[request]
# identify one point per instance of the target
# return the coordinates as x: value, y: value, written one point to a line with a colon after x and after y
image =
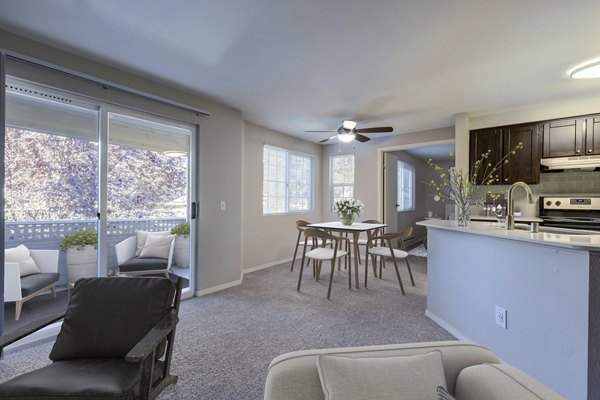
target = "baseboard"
x: 449, y: 328
x: 43, y: 335
x: 265, y: 266
x: 218, y: 288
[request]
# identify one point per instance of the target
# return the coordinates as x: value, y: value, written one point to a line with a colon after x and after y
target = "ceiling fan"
x: 348, y: 132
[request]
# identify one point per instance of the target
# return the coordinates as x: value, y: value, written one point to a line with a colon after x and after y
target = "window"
x: 341, y: 172
x: 287, y: 181
x: 406, y: 186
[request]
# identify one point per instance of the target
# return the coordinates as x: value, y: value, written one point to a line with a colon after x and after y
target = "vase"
x: 82, y: 263
x: 463, y: 217
x: 181, y: 251
x: 347, y: 219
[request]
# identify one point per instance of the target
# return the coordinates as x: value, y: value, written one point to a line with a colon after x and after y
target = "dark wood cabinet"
x: 524, y: 165
x: 572, y: 137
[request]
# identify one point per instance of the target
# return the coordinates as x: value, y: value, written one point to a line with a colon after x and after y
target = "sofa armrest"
x: 46, y: 260
x: 500, y: 382
x: 125, y: 249
x: 12, y: 282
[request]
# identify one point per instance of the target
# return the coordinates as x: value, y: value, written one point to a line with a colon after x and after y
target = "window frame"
x: 400, y: 200
x: 311, y: 197
x: 332, y: 184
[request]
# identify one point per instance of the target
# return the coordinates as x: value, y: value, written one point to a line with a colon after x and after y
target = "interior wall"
x: 220, y: 159
x: 437, y: 208
x: 270, y: 239
x: 365, y: 167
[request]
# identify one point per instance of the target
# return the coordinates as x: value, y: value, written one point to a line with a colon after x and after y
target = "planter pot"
x: 181, y: 252
x: 82, y: 263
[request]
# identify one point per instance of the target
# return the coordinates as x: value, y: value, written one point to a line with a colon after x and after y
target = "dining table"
x: 355, y: 230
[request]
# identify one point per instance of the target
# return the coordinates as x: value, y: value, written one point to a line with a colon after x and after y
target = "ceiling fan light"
x: 586, y: 71
x: 349, y: 125
x: 346, y: 137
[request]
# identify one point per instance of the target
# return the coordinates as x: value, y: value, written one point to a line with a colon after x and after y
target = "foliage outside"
x: 348, y: 207
x: 79, y: 240
x: 463, y: 189
x: 51, y: 177
x: 181, y: 230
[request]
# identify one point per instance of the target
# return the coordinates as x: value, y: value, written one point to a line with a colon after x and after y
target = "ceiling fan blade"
x: 328, y: 139
x: 319, y: 131
x: 361, y: 138
x: 376, y: 130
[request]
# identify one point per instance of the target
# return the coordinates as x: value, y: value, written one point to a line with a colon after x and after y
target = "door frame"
x: 380, y: 164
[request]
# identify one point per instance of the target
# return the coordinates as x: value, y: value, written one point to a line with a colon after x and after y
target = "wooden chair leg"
x: 398, y: 275
x: 301, y: 269
x: 18, y: 308
x: 319, y: 265
x: 331, y: 278
x: 374, y: 262
x: 350, y: 278
x: 381, y: 265
x: 53, y: 290
x: 410, y: 271
x: 296, y: 250
x: 366, y: 266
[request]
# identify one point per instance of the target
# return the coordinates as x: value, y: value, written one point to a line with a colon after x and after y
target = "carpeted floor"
x: 226, y: 340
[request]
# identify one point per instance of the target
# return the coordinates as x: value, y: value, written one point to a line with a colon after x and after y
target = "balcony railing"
x: 48, y: 235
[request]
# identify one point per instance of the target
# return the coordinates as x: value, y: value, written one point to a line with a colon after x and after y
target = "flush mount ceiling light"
x: 349, y: 125
x: 346, y: 137
x: 586, y: 71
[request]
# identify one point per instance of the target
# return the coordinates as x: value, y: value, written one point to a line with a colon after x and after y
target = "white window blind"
x: 287, y: 181
x: 406, y: 186
x: 341, y: 172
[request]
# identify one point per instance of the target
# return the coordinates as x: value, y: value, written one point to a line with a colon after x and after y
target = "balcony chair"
x: 146, y: 253
x: 106, y: 350
x: 386, y: 250
x: 28, y: 273
x: 322, y: 252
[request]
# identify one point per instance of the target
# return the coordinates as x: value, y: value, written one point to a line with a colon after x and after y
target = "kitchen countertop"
x: 557, y: 237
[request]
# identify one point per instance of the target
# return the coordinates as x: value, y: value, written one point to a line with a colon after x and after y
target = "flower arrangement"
x: 346, y: 209
x: 465, y: 190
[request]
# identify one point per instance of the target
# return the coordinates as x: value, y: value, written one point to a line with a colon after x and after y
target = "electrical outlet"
x: 223, y: 205
x: 501, y: 317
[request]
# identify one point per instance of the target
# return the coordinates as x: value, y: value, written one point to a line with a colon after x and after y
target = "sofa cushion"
x: 21, y: 255
x: 500, y: 382
x: 144, y: 264
x: 32, y: 283
x: 94, y: 323
x: 415, y: 376
x: 157, y: 246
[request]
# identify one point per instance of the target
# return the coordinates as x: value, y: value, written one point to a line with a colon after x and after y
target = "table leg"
x: 356, y: 255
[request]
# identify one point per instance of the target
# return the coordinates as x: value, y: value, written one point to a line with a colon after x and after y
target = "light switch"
x: 223, y: 205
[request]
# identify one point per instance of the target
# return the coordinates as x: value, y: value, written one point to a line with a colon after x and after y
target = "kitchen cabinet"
x: 524, y: 165
x: 572, y: 137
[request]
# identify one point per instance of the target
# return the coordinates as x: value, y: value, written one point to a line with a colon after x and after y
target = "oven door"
x: 589, y: 224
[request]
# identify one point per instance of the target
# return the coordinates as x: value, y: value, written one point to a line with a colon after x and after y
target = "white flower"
x: 347, y: 207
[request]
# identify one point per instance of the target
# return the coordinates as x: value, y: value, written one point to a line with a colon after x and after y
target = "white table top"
x: 355, y: 227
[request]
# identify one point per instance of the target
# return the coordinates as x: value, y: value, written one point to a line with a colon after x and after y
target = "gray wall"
x: 271, y: 239
x: 436, y: 207
x: 220, y: 149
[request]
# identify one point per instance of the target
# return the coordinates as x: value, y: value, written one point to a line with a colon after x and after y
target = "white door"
x: 390, y: 192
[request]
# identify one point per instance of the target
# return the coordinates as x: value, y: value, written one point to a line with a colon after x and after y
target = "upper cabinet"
x: 524, y: 165
x: 572, y: 137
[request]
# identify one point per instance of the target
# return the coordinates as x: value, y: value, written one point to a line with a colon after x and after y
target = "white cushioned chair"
x: 136, y: 257
x: 19, y: 288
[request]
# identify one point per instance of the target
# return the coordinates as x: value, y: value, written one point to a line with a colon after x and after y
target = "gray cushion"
x: 106, y: 317
x: 89, y: 378
x: 414, y: 377
x: 143, y: 264
x: 32, y: 283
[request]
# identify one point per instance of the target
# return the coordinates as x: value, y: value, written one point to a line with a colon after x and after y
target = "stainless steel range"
x: 573, y: 212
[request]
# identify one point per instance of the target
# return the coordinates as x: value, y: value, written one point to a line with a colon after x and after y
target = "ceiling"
x: 442, y: 152
x: 307, y: 65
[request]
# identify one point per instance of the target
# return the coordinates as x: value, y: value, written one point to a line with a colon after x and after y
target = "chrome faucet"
x: 510, y: 219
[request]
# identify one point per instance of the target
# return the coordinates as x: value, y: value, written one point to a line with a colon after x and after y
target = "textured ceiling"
x: 307, y: 65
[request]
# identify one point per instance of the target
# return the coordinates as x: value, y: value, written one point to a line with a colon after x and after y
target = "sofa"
x: 471, y: 372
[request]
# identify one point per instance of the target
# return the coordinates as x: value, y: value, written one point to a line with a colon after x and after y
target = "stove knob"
x: 557, y: 203
x: 548, y: 203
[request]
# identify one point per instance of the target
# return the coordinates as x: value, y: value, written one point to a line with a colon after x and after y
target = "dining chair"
x: 365, y: 241
x: 386, y: 250
x: 321, y: 253
x: 300, y: 226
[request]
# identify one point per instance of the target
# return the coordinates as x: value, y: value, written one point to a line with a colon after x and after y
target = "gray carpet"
x: 226, y: 340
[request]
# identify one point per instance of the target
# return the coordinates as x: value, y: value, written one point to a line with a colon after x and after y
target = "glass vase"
x: 347, y: 219
x: 463, y: 217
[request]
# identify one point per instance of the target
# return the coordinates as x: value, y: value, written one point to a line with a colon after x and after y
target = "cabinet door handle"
x: 589, y: 150
x: 578, y: 151
x: 505, y: 179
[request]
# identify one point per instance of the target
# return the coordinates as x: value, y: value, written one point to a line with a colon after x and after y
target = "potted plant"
x: 181, y: 253
x: 82, y: 254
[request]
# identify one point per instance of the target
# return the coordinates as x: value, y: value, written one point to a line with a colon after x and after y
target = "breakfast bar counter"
x: 532, y: 298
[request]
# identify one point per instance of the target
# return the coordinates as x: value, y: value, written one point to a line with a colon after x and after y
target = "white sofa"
x: 472, y: 372
x: 20, y: 289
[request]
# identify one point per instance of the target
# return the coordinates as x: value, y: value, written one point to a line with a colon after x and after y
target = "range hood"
x: 579, y: 162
